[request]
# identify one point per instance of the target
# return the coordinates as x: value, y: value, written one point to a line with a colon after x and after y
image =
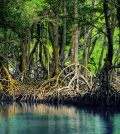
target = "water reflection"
x: 45, y: 119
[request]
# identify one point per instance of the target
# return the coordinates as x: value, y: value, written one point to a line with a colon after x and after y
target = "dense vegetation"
x: 59, y: 48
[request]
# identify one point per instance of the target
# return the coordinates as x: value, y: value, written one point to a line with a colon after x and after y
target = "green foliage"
x: 19, y: 15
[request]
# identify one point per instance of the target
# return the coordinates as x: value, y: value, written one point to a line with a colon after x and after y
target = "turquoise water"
x: 44, y: 119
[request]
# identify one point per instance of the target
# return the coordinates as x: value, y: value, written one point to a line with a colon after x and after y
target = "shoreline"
x: 86, y: 99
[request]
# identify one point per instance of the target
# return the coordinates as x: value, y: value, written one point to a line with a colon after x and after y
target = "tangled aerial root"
x: 62, y: 89
x: 11, y: 84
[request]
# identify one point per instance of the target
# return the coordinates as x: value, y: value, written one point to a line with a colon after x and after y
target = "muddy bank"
x: 97, y: 97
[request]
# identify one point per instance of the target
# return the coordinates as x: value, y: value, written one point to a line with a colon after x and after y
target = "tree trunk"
x: 48, y: 53
x: 62, y: 55
x: 23, y: 52
x: 55, y: 45
x: 109, y: 33
x: 105, y: 80
x: 6, y: 48
x: 28, y: 43
x: 72, y: 52
x: 86, y: 52
x: 76, y: 43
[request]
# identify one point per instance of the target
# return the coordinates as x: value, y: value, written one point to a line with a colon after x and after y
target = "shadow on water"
x: 29, y: 118
x: 107, y: 115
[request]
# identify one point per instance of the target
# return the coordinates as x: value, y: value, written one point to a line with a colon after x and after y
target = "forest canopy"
x: 40, y: 38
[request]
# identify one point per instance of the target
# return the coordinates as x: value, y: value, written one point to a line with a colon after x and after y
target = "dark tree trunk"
x: 62, y: 48
x: 109, y: 32
x: 23, y: 52
x: 118, y: 11
x: 55, y: 46
x: 105, y: 72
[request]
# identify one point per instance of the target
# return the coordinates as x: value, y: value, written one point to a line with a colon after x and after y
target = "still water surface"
x: 44, y: 119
